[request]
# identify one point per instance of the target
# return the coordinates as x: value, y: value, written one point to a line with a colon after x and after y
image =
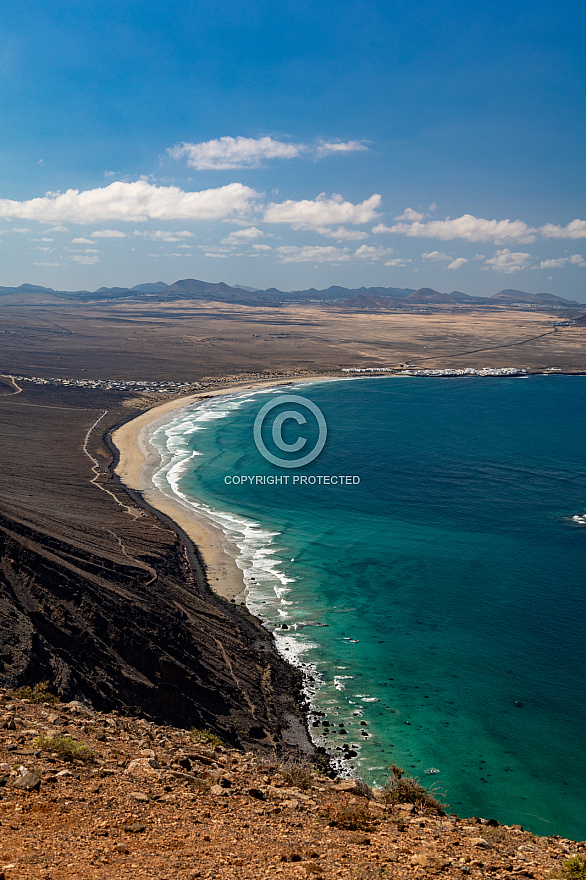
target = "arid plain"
x: 187, y: 341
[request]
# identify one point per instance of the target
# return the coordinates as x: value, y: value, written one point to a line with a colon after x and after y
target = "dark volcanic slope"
x: 105, y: 602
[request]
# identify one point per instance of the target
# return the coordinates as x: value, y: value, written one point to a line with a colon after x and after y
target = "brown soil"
x: 156, y: 803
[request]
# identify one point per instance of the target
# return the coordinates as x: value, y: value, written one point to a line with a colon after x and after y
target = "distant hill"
x: 539, y: 298
x: 219, y: 291
x: 155, y: 287
x: 428, y: 295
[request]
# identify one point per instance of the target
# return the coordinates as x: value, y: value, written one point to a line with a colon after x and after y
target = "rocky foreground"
x: 86, y: 794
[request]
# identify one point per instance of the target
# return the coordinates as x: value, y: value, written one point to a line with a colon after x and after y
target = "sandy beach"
x: 138, y: 460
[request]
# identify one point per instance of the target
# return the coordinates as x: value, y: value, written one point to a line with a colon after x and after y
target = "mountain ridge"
x: 192, y: 288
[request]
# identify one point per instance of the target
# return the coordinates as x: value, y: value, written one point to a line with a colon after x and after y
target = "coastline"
x: 138, y: 460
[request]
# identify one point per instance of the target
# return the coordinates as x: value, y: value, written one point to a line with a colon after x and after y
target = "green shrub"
x: 39, y: 693
x: 67, y: 748
x: 205, y: 737
x: 575, y: 868
x: 402, y: 789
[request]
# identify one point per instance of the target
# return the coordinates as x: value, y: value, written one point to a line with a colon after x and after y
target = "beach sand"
x: 138, y: 462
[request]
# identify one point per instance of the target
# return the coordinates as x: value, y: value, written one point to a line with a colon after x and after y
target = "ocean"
x: 435, y: 597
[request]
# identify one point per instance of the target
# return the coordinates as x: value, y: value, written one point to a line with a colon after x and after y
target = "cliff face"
x: 109, y: 605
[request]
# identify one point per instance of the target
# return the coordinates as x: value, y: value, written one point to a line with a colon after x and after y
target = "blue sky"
x: 294, y: 144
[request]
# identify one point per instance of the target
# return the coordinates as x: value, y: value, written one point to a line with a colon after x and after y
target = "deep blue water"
x: 449, y: 583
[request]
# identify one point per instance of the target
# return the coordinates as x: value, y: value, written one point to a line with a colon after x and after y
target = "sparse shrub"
x: 67, y: 748
x: 299, y: 774
x: 205, y: 737
x: 402, y: 789
x: 350, y: 814
x: 575, y: 868
x: 39, y: 693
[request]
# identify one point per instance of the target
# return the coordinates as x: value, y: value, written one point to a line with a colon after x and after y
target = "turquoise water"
x: 430, y: 597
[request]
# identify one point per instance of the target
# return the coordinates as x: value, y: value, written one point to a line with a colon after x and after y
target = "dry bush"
x: 402, y: 789
x: 299, y: 774
x: 351, y: 814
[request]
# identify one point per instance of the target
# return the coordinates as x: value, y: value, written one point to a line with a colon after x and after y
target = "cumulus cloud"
x: 322, y: 212
x: 436, y: 255
x: 226, y: 153
x: 470, y: 228
x: 575, y: 229
x: 466, y: 227
x: 342, y: 234
x: 81, y: 241
x: 108, y: 233
x: 240, y: 236
x: 367, y: 252
x: 457, y: 263
x: 410, y: 214
x: 134, y: 202
x: 86, y: 261
x: 326, y: 148
x: 309, y: 254
x: 58, y: 229
x: 505, y: 261
x: 574, y: 260
x: 398, y: 262
x: 163, y: 235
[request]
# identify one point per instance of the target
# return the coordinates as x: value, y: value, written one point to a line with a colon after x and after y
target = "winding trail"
x: 130, y: 510
x: 14, y: 383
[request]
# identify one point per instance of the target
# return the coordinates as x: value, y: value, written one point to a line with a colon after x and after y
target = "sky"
x: 294, y: 144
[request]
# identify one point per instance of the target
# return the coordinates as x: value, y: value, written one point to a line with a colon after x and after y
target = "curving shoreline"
x: 138, y: 460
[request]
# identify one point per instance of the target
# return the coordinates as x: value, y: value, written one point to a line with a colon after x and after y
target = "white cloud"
x: 467, y: 227
x: 367, y: 252
x: 86, y: 261
x: 505, y: 261
x: 574, y: 260
x: 219, y: 256
x: 239, y: 236
x: 58, y: 229
x: 457, y: 263
x: 342, y: 234
x: 322, y: 212
x: 233, y: 152
x: 575, y: 229
x: 81, y: 241
x: 108, y: 233
x: 436, y: 255
x: 410, y: 214
x: 309, y: 254
x: 163, y: 235
x: 326, y: 148
x: 398, y: 263
x: 46, y: 264
x: 186, y: 246
x: 226, y: 153
x: 262, y: 247
x: 134, y: 202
